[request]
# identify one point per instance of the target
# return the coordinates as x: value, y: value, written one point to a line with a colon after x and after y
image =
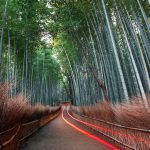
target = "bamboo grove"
x: 78, y: 50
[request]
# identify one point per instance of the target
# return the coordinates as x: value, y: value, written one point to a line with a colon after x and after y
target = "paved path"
x: 58, y: 135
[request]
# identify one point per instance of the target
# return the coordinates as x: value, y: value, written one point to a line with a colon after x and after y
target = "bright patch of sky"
x: 46, y: 38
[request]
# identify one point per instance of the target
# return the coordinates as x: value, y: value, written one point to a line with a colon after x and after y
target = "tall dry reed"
x: 17, y: 110
x: 132, y: 113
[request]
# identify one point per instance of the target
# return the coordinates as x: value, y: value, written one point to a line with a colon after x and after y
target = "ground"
x: 58, y: 135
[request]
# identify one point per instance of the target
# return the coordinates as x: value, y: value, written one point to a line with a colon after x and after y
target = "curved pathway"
x: 58, y: 135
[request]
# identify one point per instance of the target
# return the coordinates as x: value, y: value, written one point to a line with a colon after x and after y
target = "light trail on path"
x: 98, y: 139
x: 129, y: 136
x: 58, y: 135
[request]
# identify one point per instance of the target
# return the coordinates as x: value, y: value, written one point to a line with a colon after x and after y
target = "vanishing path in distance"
x: 58, y: 135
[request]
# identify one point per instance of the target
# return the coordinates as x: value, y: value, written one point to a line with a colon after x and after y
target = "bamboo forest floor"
x: 58, y: 135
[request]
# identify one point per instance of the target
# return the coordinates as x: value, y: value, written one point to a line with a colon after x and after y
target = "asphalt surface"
x: 58, y: 135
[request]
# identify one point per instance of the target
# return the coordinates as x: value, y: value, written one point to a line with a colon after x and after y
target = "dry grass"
x: 4, y: 90
x: 17, y: 110
x: 131, y: 114
x: 13, y: 111
x: 36, y: 112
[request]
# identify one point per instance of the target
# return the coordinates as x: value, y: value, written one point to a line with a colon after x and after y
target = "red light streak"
x: 108, y: 145
x: 110, y: 131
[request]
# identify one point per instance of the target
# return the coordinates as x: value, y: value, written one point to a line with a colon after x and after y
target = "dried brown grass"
x: 17, y: 110
x: 130, y: 114
x: 35, y: 112
x: 133, y: 114
x: 13, y: 111
x: 4, y: 90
